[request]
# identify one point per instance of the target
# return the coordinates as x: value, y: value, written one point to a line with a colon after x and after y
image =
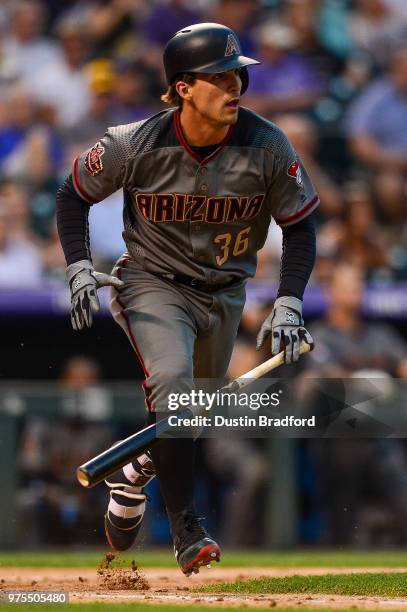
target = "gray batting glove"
x: 286, y: 326
x: 84, y: 283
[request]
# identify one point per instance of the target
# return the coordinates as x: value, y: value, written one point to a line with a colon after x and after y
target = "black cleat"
x: 193, y: 546
x: 127, y: 502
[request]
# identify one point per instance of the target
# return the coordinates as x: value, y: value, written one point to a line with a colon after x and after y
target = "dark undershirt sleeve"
x: 298, y: 258
x: 72, y: 223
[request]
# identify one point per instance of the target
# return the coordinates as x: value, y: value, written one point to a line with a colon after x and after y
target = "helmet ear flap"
x: 244, y: 76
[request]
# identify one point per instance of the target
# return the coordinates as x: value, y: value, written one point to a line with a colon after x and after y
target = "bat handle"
x: 97, y: 469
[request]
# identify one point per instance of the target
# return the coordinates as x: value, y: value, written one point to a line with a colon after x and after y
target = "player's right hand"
x: 84, y: 283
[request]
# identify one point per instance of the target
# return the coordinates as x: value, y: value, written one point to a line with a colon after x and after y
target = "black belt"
x: 190, y: 281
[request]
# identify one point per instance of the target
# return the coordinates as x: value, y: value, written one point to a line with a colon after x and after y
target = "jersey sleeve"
x: 99, y: 171
x: 292, y: 194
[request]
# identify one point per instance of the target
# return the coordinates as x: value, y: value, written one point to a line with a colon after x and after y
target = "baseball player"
x: 201, y: 182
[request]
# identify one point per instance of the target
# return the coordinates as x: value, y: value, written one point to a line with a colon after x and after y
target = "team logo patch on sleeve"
x: 294, y: 170
x: 93, y: 161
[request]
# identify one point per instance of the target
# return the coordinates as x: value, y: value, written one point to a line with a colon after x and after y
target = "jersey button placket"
x: 202, y: 184
x: 201, y: 188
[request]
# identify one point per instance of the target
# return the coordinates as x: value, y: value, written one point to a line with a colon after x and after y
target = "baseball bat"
x: 100, y: 467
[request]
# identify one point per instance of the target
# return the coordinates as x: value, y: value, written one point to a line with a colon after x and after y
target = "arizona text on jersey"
x: 205, y: 218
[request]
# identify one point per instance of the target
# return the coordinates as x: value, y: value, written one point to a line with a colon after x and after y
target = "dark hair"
x: 171, y: 96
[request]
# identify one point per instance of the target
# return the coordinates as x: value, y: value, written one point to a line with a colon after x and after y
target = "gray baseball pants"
x: 180, y: 333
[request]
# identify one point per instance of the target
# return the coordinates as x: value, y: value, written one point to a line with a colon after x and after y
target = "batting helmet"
x: 208, y: 48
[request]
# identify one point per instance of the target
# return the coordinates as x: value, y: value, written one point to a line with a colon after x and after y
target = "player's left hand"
x: 286, y: 326
x: 84, y: 282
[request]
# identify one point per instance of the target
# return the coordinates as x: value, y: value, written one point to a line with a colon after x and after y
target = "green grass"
x: 65, y: 558
x: 392, y: 585
x: 157, y: 558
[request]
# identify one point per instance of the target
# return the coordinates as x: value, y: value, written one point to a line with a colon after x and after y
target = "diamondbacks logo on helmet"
x: 93, y: 161
x: 232, y: 46
x: 294, y: 170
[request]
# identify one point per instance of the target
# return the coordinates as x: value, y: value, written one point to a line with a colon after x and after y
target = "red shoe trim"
x: 202, y: 558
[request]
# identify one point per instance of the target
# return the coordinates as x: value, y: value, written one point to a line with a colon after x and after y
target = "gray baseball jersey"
x: 203, y: 218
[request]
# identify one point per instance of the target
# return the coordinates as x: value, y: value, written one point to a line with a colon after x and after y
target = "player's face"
x: 216, y: 96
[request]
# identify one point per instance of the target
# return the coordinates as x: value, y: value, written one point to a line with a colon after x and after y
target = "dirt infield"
x: 170, y: 586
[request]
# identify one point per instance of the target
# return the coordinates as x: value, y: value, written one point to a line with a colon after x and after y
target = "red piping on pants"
x: 147, y: 391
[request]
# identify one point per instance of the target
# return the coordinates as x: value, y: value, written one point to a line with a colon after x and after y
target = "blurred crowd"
x: 52, y: 508
x: 348, y: 491
x: 333, y: 76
